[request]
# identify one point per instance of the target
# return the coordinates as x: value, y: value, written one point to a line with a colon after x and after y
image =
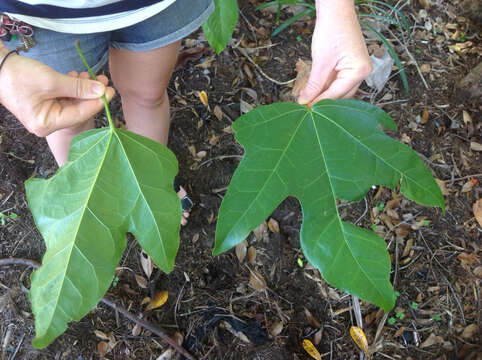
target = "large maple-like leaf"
x: 336, y: 150
x: 114, y: 182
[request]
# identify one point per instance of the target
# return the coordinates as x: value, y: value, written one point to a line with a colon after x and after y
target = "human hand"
x: 45, y: 101
x: 339, y: 54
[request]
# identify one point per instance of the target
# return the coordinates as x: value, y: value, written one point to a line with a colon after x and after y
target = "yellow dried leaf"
x: 203, y: 96
x: 425, y: 114
x: 146, y: 300
x: 477, y: 209
x: 311, y: 350
x: 359, y: 337
x: 260, y: 230
x: 469, y: 331
x: 159, y: 300
x: 273, y: 225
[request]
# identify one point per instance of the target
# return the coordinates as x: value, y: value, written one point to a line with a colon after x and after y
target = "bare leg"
x: 141, y: 78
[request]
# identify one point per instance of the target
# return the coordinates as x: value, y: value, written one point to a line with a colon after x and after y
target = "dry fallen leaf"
x: 136, y: 330
x: 475, y: 146
x: 273, y: 225
x: 276, y: 328
x: 256, y: 281
x: 425, y: 114
x: 241, y: 250
x: 467, y: 187
x: 102, y: 335
x: 203, y: 96
x: 303, y: 70
x: 469, y: 331
x: 159, y: 299
x: 141, y: 281
x: 260, y: 230
x: 466, y: 117
x: 477, y: 209
x: 218, y: 112
x: 317, y: 337
x: 311, y: 350
x: 169, y: 354
x: 311, y: 319
x: 103, y: 348
x: 359, y: 337
x: 432, y: 340
x: 147, y: 264
x: 443, y: 188
x: 408, y: 247
x: 251, y: 255
x: 478, y: 272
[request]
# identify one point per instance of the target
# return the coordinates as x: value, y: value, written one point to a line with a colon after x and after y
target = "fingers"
x: 75, y: 86
x: 71, y: 112
x: 316, y: 83
x: 339, y: 89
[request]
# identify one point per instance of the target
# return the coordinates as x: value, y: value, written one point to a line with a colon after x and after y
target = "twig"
x: 222, y: 157
x: 18, y: 347
x: 243, y: 52
x: 364, y: 213
x: 464, y: 177
x: 457, y: 300
x: 133, y: 318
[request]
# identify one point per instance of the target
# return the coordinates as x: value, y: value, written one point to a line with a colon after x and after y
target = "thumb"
x: 78, y: 88
x: 315, y: 85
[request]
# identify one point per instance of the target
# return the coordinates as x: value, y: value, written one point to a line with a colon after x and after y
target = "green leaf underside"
x: 336, y: 150
x: 114, y: 182
x: 221, y: 23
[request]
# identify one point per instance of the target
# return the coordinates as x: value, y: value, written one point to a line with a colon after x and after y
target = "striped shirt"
x: 82, y: 16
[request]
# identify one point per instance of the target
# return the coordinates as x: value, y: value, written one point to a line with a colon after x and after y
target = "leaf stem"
x: 107, y: 111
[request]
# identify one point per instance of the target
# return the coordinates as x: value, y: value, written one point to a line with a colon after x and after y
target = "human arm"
x: 339, y: 54
x: 44, y: 100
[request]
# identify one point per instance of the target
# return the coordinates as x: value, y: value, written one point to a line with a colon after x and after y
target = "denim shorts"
x: 57, y: 50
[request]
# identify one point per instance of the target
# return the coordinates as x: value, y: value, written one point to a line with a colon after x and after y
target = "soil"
x: 435, y: 255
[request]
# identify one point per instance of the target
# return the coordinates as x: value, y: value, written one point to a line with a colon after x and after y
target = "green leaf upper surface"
x: 221, y: 23
x: 114, y: 182
x: 336, y: 150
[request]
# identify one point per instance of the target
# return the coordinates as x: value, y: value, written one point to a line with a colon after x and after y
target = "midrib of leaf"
x: 337, y: 213
x: 80, y: 221
x: 366, y: 147
x: 272, y: 173
x: 139, y: 185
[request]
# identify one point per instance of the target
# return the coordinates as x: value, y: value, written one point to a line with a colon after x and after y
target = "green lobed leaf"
x: 336, y: 150
x: 114, y: 182
x: 221, y: 23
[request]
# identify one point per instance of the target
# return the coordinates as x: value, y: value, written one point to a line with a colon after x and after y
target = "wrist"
x: 342, y: 5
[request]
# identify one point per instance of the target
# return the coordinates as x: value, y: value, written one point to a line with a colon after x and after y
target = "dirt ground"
x: 436, y: 265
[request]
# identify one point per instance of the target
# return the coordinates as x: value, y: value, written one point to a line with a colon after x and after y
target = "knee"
x: 146, y: 98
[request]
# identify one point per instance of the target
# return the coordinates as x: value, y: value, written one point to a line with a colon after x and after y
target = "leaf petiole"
x: 107, y: 111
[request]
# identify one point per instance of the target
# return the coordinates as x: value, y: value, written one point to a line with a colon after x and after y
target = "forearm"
x: 335, y: 8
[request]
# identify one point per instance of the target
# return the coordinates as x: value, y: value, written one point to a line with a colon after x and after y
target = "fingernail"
x: 302, y: 101
x: 98, y: 88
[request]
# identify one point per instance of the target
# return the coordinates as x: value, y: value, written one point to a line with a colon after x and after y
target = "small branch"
x: 146, y: 325
x: 244, y: 53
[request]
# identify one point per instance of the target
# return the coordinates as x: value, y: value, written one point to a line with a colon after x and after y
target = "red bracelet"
x: 6, y: 56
